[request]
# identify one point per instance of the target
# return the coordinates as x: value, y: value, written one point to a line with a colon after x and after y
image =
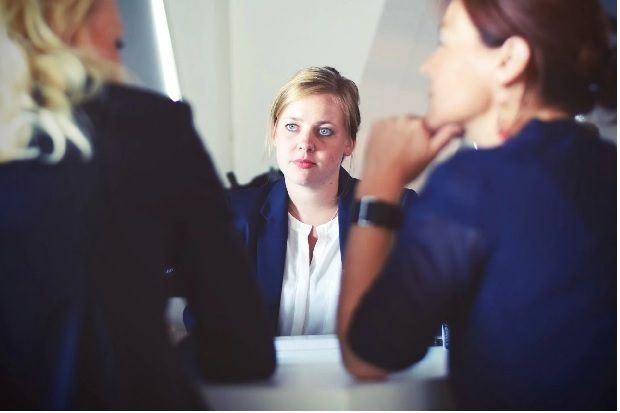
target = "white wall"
x: 140, y: 54
x: 392, y: 84
x: 232, y: 57
x: 199, y: 31
x: 271, y: 40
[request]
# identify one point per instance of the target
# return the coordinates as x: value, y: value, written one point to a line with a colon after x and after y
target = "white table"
x: 310, y: 376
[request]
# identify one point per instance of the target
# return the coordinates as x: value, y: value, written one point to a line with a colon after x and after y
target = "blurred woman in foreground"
x: 514, y: 244
x: 102, y: 187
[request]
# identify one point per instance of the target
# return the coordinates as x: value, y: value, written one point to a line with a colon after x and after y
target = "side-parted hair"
x: 573, y: 66
x: 42, y: 78
x: 313, y: 81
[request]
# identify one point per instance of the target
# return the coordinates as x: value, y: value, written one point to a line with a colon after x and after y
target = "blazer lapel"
x: 346, y: 189
x: 271, y: 247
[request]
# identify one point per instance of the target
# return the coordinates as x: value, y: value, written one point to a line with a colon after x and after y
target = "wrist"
x: 371, y: 212
x: 387, y: 190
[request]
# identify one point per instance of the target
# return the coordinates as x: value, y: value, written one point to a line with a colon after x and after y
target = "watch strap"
x: 369, y: 211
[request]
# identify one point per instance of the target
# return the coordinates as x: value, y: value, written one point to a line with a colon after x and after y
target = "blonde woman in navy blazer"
x: 313, y: 125
x: 98, y: 196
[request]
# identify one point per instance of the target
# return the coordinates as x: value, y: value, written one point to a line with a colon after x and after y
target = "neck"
x: 484, y: 129
x: 313, y: 206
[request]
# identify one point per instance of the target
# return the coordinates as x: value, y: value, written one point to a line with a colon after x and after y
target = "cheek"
x: 99, y: 41
x: 282, y: 151
x: 461, y: 91
x: 335, y: 156
x: 106, y: 48
x: 105, y: 30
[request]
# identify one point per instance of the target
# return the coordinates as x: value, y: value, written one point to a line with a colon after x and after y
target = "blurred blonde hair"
x: 312, y: 81
x: 42, y: 78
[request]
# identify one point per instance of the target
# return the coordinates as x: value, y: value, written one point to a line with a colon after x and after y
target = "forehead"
x: 315, y: 107
x: 456, y: 21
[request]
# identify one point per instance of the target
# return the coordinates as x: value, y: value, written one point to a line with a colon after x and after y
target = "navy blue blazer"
x: 261, y: 218
x: 515, y: 247
x: 83, y: 249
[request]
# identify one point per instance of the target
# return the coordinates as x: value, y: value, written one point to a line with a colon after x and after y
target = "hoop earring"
x: 506, y: 118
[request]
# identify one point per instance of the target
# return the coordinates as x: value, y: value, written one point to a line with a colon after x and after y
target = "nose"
x: 306, y: 141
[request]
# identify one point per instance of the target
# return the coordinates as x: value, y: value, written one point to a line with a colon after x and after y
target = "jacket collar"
x: 271, y: 247
x: 276, y: 200
x: 346, y: 189
x: 271, y: 244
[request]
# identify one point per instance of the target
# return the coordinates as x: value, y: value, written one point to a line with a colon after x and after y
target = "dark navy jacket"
x: 83, y: 249
x: 261, y: 218
x: 515, y: 247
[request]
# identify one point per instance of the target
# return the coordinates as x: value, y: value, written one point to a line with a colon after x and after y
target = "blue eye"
x: 291, y: 127
x: 325, y: 132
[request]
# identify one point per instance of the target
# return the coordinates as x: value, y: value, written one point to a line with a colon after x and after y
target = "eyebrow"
x: 316, y: 123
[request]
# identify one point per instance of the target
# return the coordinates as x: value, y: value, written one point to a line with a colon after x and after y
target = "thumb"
x: 443, y: 136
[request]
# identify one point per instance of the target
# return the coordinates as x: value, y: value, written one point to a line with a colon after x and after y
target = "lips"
x: 304, y: 163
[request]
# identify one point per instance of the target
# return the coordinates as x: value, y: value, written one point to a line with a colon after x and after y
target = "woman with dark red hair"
x: 513, y: 244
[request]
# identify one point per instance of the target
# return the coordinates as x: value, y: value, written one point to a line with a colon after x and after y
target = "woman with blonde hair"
x: 295, y: 228
x: 102, y: 188
x: 513, y: 244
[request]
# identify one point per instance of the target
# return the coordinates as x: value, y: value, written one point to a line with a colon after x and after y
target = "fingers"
x: 398, y: 131
x: 404, y: 146
x: 414, y: 122
x: 411, y: 117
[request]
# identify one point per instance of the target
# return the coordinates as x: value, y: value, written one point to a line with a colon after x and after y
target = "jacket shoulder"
x: 131, y: 95
x: 130, y: 103
x: 247, y: 202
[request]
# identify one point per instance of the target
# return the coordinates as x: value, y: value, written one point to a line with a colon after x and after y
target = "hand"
x: 400, y: 148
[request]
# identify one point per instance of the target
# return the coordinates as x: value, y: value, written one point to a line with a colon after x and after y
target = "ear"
x: 349, y: 146
x: 515, y: 55
x: 272, y: 141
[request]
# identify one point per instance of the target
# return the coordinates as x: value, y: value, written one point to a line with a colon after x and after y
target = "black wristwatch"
x: 369, y: 211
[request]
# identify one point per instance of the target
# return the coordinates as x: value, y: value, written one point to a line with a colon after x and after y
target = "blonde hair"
x: 42, y: 78
x: 318, y: 80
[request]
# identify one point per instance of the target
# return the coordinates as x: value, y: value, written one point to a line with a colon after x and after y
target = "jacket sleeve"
x: 231, y: 334
x: 427, y: 277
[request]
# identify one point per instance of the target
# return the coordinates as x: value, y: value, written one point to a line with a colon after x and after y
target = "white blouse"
x: 310, y: 289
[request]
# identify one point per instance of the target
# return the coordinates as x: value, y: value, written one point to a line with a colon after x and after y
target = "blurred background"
x: 228, y: 58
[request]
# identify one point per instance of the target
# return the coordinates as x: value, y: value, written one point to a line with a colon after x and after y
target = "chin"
x: 298, y: 177
x: 307, y: 181
x: 434, y: 122
x: 434, y: 119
